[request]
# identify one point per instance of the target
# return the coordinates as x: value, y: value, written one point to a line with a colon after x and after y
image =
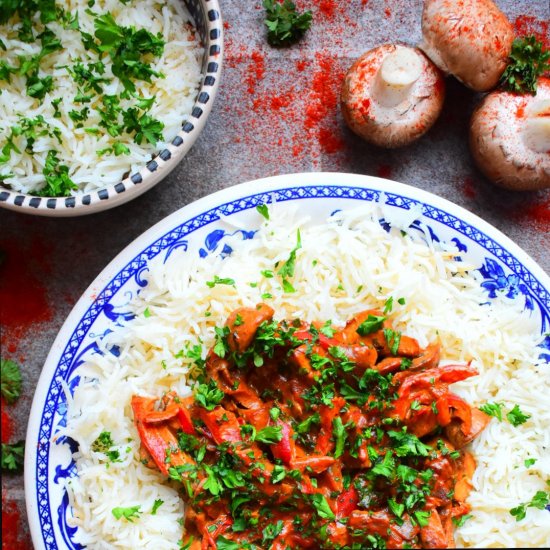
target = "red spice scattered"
x: 22, y: 290
x: 256, y: 71
x: 327, y: 7
x: 536, y: 213
x: 387, y: 12
x: 7, y: 423
x: 301, y: 65
x: 384, y: 171
x: 12, y: 533
x: 520, y: 112
x: 468, y: 187
x: 323, y: 104
x: 526, y: 24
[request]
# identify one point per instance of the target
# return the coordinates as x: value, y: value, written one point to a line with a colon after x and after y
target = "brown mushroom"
x: 470, y: 39
x: 392, y: 95
x: 510, y: 138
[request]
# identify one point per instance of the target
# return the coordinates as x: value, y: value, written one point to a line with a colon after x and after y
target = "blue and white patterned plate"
x: 199, y: 228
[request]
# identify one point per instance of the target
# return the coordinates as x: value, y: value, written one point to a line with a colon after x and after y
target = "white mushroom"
x: 392, y: 95
x: 471, y: 39
x: 510, y: 138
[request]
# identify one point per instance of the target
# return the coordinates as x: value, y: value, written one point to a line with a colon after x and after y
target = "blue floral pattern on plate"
x: 205, y: 234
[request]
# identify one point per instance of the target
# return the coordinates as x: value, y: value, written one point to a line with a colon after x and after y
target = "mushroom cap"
x: 501, y: 143
x: 391, y: 126
x: 471, y: 39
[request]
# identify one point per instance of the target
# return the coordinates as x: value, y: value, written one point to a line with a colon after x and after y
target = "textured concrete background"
x: 276, y: 113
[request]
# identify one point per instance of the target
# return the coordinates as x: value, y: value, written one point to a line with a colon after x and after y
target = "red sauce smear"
x: 13, y: 536
x: 22, y: 290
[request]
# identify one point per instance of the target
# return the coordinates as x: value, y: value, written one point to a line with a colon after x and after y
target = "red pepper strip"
x: 154, y: 417
x: 185, y: 421
x: 221, y: 424
x: 460, y: 409
x: 156, y: 439
x: 324, y: 341
x: 346, y: 502
x: 428, y: 378
x: 285, y: 449
x: 443, y: 412
x: 317, y: 464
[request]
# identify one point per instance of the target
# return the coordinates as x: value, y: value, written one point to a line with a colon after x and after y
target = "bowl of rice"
x: 313, y: 247
x: 101, y: 99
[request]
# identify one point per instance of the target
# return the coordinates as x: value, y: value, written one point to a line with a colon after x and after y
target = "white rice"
x: 342, y: 268
x: 175, y: 94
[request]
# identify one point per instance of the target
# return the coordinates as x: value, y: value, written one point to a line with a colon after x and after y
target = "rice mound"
x: 348, y: 264
x: 180, y: 65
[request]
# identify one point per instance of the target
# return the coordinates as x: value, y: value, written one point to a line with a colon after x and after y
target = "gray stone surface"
x: 244, y: 140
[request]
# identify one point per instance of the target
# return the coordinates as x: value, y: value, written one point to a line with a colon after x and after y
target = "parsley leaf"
x: 125, y: 46
x: 287, y: 269
x: 340, y: 435
x: 11, y: 380
x: 371, y: 324
x: 58, y: 182
x: 209, y: 395
x: 492, y: 409
x: 540, y: 500
x: 144, y: 126
x: 284, y: 24
x: 128, y: 513
x: 263, y: 210
x: 322, y: 506
x: 13, y: 456
x: 528, y: 61
x: 393, y: 337
x: 516, y: 417
x: 219, y: 281
x: 459, y: 522
x: 156, y: 505
x: 269, y: 435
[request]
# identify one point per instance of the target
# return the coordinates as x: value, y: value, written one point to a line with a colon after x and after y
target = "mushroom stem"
x: 396, y: 76
x: 537, y: 127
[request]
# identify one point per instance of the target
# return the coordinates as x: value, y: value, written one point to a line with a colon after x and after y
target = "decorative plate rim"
x: 164, y: 161
x: 238, y: 198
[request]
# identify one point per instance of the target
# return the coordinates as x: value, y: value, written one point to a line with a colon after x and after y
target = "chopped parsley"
x: 284, y: 24
x: 371, y: 324
x: 129, y: 513
x: 492, y: 409
x: 528, y: 61
x: 322, y: 506
x: 516, y: 417
x: 220, y: 281
x: 58, y: 182
x: 209, y: 395
x: 263, y: 210
x: 540, y: 500
x: 156, y: 505
x: 269, y: 435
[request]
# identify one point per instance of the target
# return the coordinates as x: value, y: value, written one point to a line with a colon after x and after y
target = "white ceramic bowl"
x: 200, y: 228
x: 207, y: 17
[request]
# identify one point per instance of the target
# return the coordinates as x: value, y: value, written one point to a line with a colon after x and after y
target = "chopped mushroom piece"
x: 470, y: 39
x: 510, y: 138
x: 392, y: 95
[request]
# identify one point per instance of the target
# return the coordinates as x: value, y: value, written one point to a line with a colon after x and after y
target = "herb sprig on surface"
x: 540, y: 500
x: 13, y: 456
x: 284, y: 24
x: 528, y: 61
x: 11, y: 380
